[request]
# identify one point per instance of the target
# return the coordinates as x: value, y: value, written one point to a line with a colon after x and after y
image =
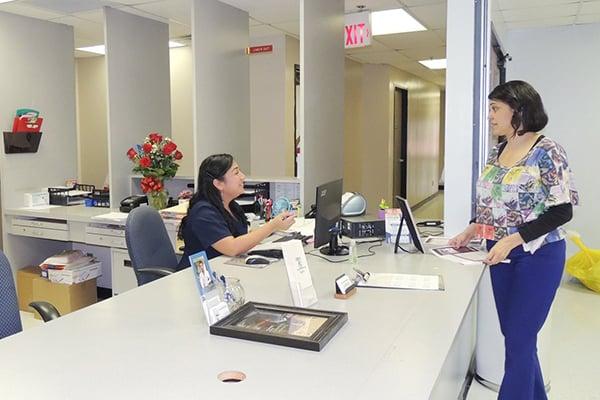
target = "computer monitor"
x: 328, y: 214
x: 412, y: 227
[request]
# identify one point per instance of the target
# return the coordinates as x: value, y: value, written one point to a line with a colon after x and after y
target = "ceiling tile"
x: 540, y: 23
x: 67, y: 6
x: 269, y: 11
x: 524, y: 14
x: 29, y: 11
x: 373, y: 5
x: 263, y: 30
x: 384, y: 57
x: 432, y: 16
x: 587, y: 19
x: 141, y: 13
x: 96, y: 16
x: 497, y: 16
x: 412, y: 3
x: 84, y: 28
x: 411, y: 40
x: 515, y: 4
x: 175, y: 10
x: 290, y: 27
x: 375, y: 46
x: 425, y: 53
x: 441, y: 33
x: 252, y: 22
x: 591, y: 7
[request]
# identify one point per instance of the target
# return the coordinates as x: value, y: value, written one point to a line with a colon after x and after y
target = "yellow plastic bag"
x: 585, y: 265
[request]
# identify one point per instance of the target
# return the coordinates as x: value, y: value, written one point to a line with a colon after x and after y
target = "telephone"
x: 131, y: 202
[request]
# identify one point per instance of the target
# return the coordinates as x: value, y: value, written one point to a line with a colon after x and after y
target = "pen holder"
x: 21, y: 142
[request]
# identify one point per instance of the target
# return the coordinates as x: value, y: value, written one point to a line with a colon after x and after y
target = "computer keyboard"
x: 269, y: 253
x: 292, y: 236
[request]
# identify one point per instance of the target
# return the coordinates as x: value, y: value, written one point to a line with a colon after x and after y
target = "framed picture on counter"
x: 303, y: 328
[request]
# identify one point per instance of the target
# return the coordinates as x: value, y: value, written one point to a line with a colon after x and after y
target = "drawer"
x: 105, y: 230
x: 41, y: 233
x: 104, y: 240
x: 58, y: 225
x: 123, y: 277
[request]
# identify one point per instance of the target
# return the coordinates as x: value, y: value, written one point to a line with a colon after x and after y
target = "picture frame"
x: 203, y: 274
x: 289, y: 326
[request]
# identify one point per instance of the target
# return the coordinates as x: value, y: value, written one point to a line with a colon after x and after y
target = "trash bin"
x: 585, y: 264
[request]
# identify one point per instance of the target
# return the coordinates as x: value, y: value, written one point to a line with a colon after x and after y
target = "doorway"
x: 400, y: 141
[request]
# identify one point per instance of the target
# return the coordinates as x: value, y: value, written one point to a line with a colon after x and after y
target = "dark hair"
x: 215, y: 167
x: 526, y: 103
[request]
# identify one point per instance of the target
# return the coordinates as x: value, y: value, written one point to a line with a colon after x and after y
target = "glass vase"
x: 157, y: 200
x: 233, y: 293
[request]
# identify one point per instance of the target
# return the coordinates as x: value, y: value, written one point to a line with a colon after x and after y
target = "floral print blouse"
x: 508, y: 197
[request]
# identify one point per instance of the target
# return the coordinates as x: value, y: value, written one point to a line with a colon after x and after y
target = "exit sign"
x: 265, y: 48
x: 357, y: 30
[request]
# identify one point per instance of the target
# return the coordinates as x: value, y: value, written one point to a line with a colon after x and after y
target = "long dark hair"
x: 215, y: 167
x: 526, y: 103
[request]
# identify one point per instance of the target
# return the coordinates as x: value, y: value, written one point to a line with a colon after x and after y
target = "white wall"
x: 267, y: 108
x: 220, y: 33
x: 92, y: 129
x: 458, y: 151
x: 45, y: 81
x: 182, y: 110
x: 137, y: 60
x: 561, y: 63
x: 321, y: 94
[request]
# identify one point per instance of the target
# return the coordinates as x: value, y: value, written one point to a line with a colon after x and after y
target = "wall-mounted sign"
x: 264, y: 48
x: 357, y: 30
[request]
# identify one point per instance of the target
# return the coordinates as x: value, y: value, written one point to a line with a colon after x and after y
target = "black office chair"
x: 10, y: 320
x: 150, y: 250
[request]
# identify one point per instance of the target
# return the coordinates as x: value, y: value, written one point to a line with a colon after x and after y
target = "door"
x: 400, y: 141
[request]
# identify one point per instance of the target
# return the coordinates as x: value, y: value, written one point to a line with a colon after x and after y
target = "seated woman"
x: 215, y: 222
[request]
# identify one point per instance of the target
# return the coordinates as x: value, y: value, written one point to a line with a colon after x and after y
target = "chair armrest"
x: 160, y: 271
x: 46, y: 310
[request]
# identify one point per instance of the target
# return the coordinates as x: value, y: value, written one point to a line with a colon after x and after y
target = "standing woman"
x: 524, y: 195
x: 215, y: 222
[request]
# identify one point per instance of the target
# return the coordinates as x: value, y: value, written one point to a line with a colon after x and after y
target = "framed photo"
x: 203, y: 274
x: 281, y: 325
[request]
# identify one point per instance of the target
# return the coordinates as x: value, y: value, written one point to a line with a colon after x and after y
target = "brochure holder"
x: 21, y: 142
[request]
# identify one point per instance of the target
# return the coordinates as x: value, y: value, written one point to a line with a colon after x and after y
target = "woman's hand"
x: 463, y: 238
x: 283, y: 221
x: 501, y: 249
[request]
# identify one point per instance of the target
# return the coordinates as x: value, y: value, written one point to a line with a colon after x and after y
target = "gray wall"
x: 137, y: 59
x: 322, y: 93
x: 43, y: 80
x: 222, y: 87
x: 562, y: 65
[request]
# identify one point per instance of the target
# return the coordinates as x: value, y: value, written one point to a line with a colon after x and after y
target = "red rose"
x: 178, y: 155
x: 131, y: 153
x: 155, y: 137
x: 169, y: 147
x: 147, y: 147
x: 145, y: 162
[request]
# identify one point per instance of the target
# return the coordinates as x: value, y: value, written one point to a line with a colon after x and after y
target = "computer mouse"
x: 253, y: 260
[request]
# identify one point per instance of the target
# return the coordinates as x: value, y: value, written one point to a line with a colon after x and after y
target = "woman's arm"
x: 551, y: 219
x: 234, y: 246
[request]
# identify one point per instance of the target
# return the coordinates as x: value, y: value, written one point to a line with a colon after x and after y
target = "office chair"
x: 150, y: 250
x: 10, y: 320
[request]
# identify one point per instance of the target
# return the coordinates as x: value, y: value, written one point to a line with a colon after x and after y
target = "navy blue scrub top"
x: 204, y: 226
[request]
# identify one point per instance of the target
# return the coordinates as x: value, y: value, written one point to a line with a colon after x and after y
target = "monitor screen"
x: 329, y: 210
x: 410, y: 222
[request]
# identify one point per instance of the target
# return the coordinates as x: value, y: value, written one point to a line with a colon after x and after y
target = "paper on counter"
x: 403, y: 281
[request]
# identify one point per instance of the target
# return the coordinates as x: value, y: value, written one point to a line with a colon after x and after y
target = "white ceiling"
x: 269, y: 17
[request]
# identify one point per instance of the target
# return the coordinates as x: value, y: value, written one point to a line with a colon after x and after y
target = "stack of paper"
x: 71, y: 266
x: 465, y: 255
x: 176, y: 212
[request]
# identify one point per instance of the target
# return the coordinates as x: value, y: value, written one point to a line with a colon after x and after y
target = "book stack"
x: 70, y: 267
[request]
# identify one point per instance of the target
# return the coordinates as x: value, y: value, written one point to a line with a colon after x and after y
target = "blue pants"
x: 524, y: 290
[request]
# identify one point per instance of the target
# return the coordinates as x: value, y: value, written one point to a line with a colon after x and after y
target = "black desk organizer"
x: 21, y: 142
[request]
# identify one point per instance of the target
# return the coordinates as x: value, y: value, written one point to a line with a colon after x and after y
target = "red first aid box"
x: 24, y: 124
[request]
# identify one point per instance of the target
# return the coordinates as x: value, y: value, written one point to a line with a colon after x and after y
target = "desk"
x: 153, y: 342
x: 78, y: 228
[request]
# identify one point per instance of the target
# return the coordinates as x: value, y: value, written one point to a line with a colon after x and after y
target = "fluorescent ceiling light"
x: 99, y: 49
x: 394, y: 21
x: 440, y: 63
x: 5, y: 1
x: 173, y: 44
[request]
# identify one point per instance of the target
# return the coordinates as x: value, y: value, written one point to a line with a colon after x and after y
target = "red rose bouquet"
x: 156, y: 159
